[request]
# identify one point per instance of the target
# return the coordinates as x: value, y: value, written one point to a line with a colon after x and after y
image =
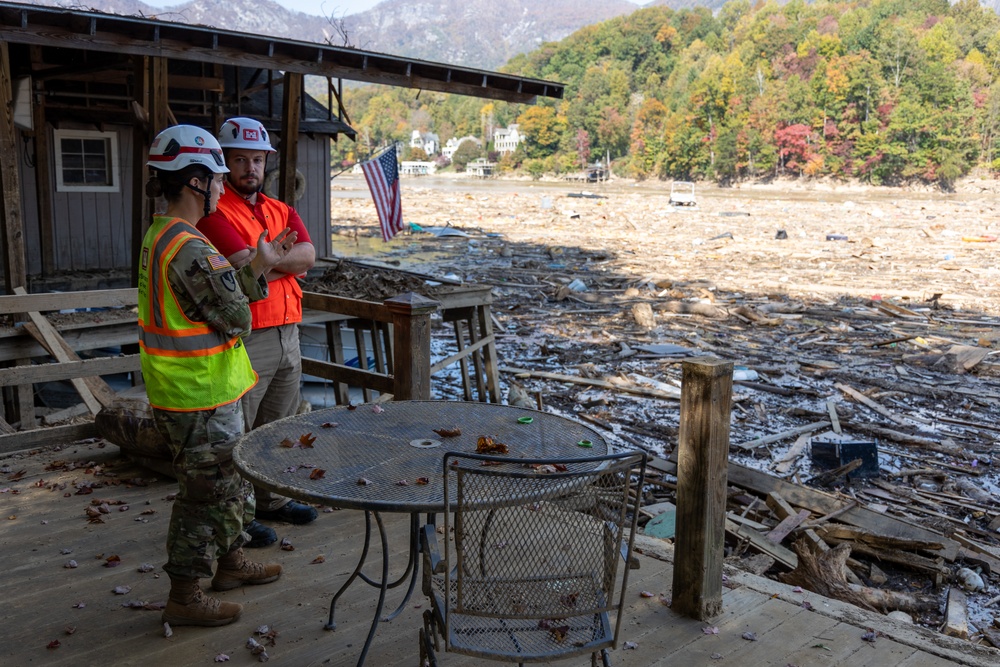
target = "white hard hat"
x: 245, y: 133
x: 184, y: 145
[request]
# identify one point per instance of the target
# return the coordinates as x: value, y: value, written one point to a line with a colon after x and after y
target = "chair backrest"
x: 538, y: 543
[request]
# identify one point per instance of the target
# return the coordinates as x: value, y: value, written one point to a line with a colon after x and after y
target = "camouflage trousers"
x: 213, y: 502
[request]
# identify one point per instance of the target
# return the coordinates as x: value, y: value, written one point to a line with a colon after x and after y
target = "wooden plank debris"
x: 956, y: 622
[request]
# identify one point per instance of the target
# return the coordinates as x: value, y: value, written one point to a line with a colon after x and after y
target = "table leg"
x: 383, y: 583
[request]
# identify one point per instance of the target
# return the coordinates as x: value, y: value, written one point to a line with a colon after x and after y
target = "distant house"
x: 428, y: 142
x: 452, y: 145
x: 481, y: 167
x: 506, y: 140
x: 417, y: 168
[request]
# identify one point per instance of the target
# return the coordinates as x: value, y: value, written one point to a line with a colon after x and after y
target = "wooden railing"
x: 35, y: 337
x: 405, y: 369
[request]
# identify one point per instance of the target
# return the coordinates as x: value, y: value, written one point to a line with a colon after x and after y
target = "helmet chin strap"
x: 206, y: 194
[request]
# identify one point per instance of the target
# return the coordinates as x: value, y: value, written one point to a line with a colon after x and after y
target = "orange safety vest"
x: 187, y: 365
x: 284, y: 303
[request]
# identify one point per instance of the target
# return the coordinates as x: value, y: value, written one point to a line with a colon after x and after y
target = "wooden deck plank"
x: 40, y: 594
x: 729, y: 641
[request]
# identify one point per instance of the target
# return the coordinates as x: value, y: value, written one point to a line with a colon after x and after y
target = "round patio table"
x: 388, y: 458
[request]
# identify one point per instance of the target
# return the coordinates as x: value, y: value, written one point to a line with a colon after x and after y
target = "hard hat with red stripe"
x: 181, y: 146
x: 245, y: 133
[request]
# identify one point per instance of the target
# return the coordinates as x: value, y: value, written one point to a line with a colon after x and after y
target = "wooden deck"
x: 42, y: 596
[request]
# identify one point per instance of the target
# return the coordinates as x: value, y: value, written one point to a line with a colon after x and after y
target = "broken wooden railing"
x: 41, y: 353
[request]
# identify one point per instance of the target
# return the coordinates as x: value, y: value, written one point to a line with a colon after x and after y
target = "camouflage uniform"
x: 213, y: 502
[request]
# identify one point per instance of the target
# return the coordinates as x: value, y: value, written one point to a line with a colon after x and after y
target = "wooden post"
x: 411, y: 345
x: 12, y: 217
x: 288, y: 152
x: 11, y: 211
x: 702, y: 463
x: 43, y: 173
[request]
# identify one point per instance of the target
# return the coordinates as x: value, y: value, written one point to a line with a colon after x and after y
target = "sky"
x: 338, y: 8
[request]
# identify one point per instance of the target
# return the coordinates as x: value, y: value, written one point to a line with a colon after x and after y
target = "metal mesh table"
x: 388, y: 458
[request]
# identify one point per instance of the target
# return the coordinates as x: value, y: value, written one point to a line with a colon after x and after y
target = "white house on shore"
x: 426, y: 141
x: 452, y: 145
x: 506, y: 140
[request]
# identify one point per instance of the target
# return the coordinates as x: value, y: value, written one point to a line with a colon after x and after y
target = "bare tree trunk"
x: 823, y: 573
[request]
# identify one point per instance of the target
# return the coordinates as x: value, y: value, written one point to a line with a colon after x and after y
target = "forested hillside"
x: 885, y: 91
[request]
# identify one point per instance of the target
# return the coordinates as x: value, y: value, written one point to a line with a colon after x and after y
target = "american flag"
x: 382, y: 175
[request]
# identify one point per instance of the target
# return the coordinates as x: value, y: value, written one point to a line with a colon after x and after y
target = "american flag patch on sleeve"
x: 218, y: 262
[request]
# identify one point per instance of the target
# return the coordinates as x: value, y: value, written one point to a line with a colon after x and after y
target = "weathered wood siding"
x: 90, y: 229
x: 93, y: 230
x: 314, y: 207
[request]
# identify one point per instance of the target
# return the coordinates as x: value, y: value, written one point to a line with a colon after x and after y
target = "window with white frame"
x: 86, y: 161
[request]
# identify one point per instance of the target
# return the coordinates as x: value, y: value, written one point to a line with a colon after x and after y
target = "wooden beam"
x: 68, y: 370
x: 702, y: 454
x: 53, y: 435
x: 43, y: 176
x: 291, y: 114
x: 26, y: 303
x: 11, y: 210
x: 46, y: 334
x: 348, y: 64
x: 824, y: 503
x: 141, y: 138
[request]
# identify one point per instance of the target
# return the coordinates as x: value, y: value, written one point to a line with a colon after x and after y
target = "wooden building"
x: 82, y: 93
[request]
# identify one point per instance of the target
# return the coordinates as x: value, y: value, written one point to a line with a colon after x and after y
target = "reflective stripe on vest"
x: 186, y: 365
x: 284, y: 302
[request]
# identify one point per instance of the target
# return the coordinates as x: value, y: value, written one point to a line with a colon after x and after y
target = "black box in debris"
x: 830, y: 454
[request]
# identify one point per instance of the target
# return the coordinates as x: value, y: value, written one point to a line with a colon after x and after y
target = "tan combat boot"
x: 188, y: 605
x: 234, y: 570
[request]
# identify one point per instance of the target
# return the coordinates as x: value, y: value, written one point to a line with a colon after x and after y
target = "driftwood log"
x: 823, y: 573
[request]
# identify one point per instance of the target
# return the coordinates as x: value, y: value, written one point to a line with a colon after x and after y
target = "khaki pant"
x: 274, y: 354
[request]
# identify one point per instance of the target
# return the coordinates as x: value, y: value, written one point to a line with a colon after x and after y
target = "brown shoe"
x: 234, y: 570
x: 188, y: 605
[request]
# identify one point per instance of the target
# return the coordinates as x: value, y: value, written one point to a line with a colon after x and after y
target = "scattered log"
x: 823, y: 573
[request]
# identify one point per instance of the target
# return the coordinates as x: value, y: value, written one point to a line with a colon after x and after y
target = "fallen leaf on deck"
x: 112, y: 561
x: 421, y: 481
x: 70, y: 629
x: 710, y: 630
x: 287, y: 443
x: 329, y: 424
x: 629, y: 646
x: 79, y: 605
x: 402, y: 482
x: 145, y: 567
x: 18, y: 475
x: 645, y: 594
x: 167, y: 631
x: 317, y: 473
x: 749, y: 636
x: 317, y: 560
x: 71, y: 564
x: 364, y: 482
x: 448, y: 432
x: 559, y: 634
x: 307, y: 439
x: 286, y: 544
x: 53, y: 644
x: 121, y: 590
x: 487, y: 445
x: 378, y: 409
x: 222, y: 657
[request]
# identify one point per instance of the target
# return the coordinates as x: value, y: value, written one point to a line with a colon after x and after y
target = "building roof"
x: 129, y: 35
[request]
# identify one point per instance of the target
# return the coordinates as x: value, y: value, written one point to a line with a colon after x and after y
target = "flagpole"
x: 371, y: 156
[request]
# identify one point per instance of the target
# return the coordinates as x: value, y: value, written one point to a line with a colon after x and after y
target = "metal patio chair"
x: 530, y: 571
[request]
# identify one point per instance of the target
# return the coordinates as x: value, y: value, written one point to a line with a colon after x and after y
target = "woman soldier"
x: 193, y: 309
